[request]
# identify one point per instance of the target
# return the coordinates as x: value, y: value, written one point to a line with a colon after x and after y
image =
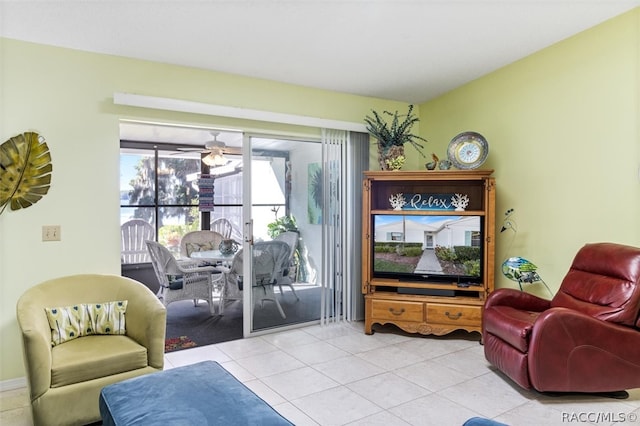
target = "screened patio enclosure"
x: 266, y: 185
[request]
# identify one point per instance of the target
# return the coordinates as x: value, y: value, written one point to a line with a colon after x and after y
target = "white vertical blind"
x: 344, y: 157
x: 333, y: 142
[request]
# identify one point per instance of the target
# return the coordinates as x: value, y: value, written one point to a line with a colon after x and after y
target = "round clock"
x: 468, y: 150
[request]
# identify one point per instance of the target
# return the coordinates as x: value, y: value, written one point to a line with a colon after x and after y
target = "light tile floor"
x: 337, y: 375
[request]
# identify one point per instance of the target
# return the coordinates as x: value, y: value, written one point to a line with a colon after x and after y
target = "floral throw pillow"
x: 108, y: 317
x: 68, y: 323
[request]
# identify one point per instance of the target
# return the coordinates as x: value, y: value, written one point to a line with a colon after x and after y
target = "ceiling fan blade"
x: 192, y: 149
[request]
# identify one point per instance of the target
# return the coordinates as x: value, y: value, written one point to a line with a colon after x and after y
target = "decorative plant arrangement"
x: 25, y: 166
x: 395, y: 163
x: 393, y: 133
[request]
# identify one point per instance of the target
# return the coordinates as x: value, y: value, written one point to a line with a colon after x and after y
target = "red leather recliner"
x: 586, y: 339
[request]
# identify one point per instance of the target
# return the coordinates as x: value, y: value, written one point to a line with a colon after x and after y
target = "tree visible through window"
x: 159, y: 185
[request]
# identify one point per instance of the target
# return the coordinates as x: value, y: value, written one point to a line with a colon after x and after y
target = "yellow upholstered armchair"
x: 65, y: 379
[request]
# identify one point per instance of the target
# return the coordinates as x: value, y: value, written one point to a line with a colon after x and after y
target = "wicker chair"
x: 223, y: 227
x: 198, y: 241
x: 133, y: 235
x: 184, y: 280
x: 269, y: 259
x: 288, y: 275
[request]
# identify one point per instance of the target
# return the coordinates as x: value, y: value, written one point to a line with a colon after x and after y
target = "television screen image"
x: 435, y: 248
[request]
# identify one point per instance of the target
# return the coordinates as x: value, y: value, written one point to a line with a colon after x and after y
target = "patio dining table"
x: 213, y: 256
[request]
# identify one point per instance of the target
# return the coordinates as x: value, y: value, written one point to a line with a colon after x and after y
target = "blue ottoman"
x: 198, y: 394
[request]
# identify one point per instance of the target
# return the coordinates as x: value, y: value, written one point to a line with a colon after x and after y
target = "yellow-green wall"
x: 563, y: 126
x: 67, y: 96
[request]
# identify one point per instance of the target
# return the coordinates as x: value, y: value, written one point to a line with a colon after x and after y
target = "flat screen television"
x: 434, y: 248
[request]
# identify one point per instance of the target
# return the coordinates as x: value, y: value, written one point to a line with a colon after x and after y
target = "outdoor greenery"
x: 173, y: 189
x: 463, y: 259
x: 472, y: 267
x: 176, y: 196
x: 466, y: 256
x: 385, y: 265
x: 282, y: 224
x: 401, y: 248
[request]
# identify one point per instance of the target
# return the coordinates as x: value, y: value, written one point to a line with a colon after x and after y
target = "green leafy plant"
x: 282, y: 224
x: 395, y: 131
x: 472, y: 267
x: 446, y: 253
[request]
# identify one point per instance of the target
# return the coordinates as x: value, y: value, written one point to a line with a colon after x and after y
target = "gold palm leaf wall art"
x: 25, y: 171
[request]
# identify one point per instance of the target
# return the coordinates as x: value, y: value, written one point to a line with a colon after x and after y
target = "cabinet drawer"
x: 454, y: 314
x: 403, y: 311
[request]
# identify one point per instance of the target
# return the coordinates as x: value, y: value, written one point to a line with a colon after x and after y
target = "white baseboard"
x: 11, y: 384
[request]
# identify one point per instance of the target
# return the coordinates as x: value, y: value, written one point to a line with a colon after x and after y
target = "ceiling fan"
x: 214, y: 150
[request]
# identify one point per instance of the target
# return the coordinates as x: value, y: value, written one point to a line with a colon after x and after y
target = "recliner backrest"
x: 603, y: 282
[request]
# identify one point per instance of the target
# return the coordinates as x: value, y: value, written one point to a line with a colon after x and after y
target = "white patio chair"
x: 288, y: 274
x: 184, y: 280
x: 222, y: 226
x: 269, y: 259
x: 133, y: 235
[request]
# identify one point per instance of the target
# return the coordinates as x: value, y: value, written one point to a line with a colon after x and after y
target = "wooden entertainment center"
x: 428, y: 304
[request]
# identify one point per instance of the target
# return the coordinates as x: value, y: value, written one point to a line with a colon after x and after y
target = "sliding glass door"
x: 284, y: 222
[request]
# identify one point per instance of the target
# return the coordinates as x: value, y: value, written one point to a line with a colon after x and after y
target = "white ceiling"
x: 406, y: 50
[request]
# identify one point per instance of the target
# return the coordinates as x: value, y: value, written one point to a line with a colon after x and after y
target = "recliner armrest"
x: 517, y: 300
x: 567, y: 346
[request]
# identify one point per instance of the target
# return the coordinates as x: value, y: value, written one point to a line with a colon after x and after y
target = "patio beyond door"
x: 283, y: 232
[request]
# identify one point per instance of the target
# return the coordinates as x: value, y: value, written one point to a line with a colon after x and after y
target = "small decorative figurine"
x: 460, y: 202
x: 517, y: 268
x: 432, y: 164
x: 397, y: 201
x: 444, y: 165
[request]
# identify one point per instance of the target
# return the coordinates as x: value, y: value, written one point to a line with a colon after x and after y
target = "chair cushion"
x: 511, y: 325
x: 175, y: 282
x: 191, y: 247
x: 96, y: 356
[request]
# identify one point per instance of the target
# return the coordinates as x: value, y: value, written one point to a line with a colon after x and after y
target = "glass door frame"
x: 248, y: 231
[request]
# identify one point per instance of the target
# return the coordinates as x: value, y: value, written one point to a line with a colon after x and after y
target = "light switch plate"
x: 51, y: 233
